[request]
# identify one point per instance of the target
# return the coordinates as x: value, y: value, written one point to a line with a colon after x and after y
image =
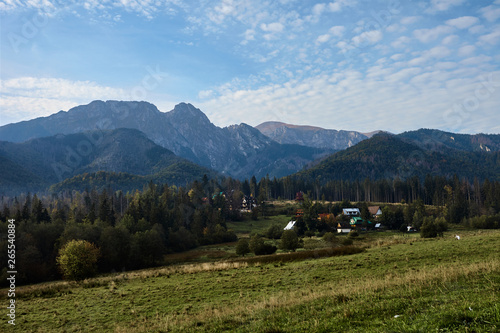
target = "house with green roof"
x: 358, y: 223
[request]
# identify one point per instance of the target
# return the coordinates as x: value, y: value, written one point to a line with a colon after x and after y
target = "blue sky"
x: 345, y: 64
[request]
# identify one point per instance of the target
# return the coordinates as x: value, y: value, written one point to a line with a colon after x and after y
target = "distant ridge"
x: 239, y: 151
x: 125, y: 155
x: 388, y: 156
x: 311, y: 136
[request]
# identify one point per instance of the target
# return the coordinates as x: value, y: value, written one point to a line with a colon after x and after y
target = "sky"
x: 360, y: 65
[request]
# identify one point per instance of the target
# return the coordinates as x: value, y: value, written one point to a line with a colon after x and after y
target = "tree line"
x: 135, y: 229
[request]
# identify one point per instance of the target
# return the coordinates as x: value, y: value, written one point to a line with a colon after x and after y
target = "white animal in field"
x: 457, y: 237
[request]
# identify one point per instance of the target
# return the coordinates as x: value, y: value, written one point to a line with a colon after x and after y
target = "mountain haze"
x: 238, y: 151
x: 39, y: 163
x: 436, y: 140
x: 310, y: 136
x: 387, y: 156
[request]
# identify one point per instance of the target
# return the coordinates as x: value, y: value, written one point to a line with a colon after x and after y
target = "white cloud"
x: 476, y: 61
x: 477, y: 29
x: 451, y: 39
x: 491, y: 38
x: 466, y: 50
x: 445, y: 65
x: 410, y: 20
x: 28, y: 97
x: 397, y: 56
x: 395, y: 28
x: 272, y: 27
x: 491, y: 13
x: 57, y: 88
x: 443, y: 5
x: 318, y: 9
x: 337, y: 30
x: 428, y: 35
x: 437, y: 52
x: 43, y: 5
x: 422, y: 98
x: 323, y: 38
x: 367, y: 37
x: 248, y: 35
x: 338, y: 5
x: 401, y: 42
x: 463, y: 22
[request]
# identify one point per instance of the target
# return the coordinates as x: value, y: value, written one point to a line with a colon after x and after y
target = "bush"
x: 77, y: 260
x: 266, y: 249
x: 274, y: 232
x: 259, y: 247
x: 433, y: 227
x: 329, y: 237
x: 309, y: 233
x: 347, y: 241
x: 289, y: 241
x: 242, y: 247
x: 484, y: 222
x: 353, y: 234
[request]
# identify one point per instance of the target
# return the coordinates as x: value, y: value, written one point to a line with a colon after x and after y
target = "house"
x: 248, y: 203
x: 358, y: 223
x: 351, y: 211
x: 290, y: 225
x: 299, y: 213
x: 343, y: 227
x: 299, y: 196
x: 375, y: 211
x: 411, y: 229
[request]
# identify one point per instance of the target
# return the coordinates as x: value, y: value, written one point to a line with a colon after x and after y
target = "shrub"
x: 242, y: 247
x: 266, y: 249
x: 289, y: 240
x: 77, y: 260
x: 329, y: 237
x: 347, y: 241
x: 259, y: 247
x: 433, y: 227
x: 274, y: 232
x: 352, y: 234
x: 484, y: 222
x: 309, y: 233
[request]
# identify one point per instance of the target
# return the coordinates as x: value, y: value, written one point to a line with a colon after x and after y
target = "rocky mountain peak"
x: 186, y: 112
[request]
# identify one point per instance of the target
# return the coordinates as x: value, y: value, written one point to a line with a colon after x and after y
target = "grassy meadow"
x: 397, y: 283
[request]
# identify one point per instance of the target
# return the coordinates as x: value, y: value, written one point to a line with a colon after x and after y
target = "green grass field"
x: 244, y: 228
x: 397, y: 284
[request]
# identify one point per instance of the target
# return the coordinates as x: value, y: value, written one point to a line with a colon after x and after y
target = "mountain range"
x: 416, y: 153
x: 311, y: 136
x: 237, y: 151
x: 126, y: 155
x: 130, y: 143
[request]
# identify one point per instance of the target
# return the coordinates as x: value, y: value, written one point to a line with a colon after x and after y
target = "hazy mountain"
x: 436, y: 140
x: 310, y: 136
x: 389, y: 156
x: 38, y: 163
x: 239, y: 151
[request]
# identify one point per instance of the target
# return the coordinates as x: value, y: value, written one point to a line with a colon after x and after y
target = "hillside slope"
x: 185, y: 130
x: 38, y: 163
x: 389, y: 156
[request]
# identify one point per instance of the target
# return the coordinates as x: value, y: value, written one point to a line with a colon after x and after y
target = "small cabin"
x: 343, y: 228
x: 351, y: 211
